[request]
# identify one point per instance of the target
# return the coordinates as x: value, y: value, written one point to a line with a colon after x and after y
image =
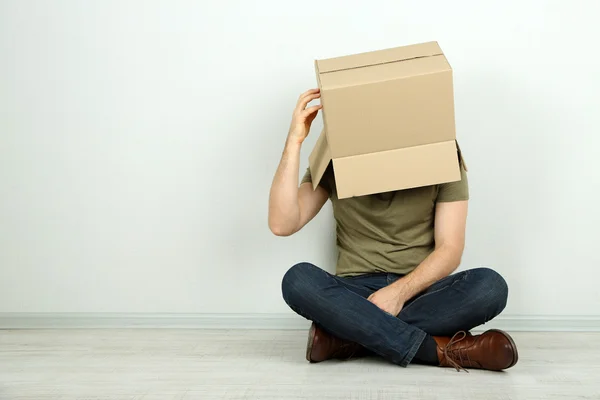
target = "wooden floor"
x: 199, y: 364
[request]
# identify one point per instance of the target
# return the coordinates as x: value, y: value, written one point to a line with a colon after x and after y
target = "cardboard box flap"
x: 396, y: 54
x: 396, y: 169
x: 319, y: 159
x: 461, y: 159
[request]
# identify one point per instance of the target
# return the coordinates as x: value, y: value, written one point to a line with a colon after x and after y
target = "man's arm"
x: 291, y: 207
x: 449, y: 233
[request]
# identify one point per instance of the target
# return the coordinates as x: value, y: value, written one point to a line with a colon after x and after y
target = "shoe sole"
x: 311, y: 339
x: 512, y: 343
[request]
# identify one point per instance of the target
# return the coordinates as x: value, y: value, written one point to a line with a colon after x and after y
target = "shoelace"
x: 452, y: 354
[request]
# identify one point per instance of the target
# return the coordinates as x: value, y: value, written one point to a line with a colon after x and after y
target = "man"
x: 392, y: 294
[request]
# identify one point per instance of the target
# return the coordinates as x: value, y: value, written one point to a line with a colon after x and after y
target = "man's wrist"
x: 402, y: 290
x: 292, y: 144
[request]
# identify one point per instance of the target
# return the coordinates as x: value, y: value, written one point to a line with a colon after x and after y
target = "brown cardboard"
x: 388, y: 120
x: 370, y: 173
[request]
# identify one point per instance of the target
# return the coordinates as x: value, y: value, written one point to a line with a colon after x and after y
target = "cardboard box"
x: 388, y: 120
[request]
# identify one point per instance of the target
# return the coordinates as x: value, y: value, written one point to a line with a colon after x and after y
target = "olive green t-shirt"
x: 387, y: 232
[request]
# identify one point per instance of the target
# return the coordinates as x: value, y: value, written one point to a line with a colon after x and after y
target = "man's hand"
x: 303, y: 117
x: 389, y: 299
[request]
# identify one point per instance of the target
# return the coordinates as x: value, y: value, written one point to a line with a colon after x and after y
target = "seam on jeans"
x: 465, y: 273
x: 413, y: 349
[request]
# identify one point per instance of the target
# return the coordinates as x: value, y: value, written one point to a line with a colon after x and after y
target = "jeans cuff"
x: 413, y: 350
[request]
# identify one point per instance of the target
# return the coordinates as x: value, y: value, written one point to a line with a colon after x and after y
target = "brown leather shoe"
x: 493, y: 350
x: 323, y: 346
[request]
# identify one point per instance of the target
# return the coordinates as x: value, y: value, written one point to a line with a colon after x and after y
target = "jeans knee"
x: 295, y: 282
x: 492, y: 289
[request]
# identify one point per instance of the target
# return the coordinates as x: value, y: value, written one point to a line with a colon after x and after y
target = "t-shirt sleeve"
x: 325, y: 181
x: 307, y: 178
x: 455, y: 191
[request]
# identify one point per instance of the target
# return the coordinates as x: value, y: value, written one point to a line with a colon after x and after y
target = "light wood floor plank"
x: 186, y: 364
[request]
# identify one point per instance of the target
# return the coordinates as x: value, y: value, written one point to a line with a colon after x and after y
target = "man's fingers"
x: 307, y: 100
x: 311, y: 118
x: 307, y: 93
x: 311, y: 110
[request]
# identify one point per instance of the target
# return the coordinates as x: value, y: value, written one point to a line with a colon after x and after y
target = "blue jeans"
x: 339, y: 305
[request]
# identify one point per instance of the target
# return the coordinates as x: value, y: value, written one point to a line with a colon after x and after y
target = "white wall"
x: 139, y: 139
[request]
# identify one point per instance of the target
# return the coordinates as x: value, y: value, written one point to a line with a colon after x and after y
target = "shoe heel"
x: 309, y: 344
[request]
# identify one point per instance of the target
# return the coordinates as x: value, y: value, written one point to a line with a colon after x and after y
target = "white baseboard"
x: 151, y: 320
x: 533, y: 323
